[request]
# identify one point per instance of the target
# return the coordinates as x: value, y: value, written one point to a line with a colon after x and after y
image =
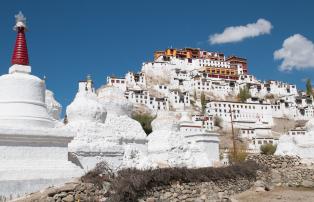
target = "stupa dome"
x: 22, y: 101
x: 85, y: 107
x: 114, y: 101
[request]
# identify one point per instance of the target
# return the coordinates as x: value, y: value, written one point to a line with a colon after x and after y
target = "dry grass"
x: 98, y: 175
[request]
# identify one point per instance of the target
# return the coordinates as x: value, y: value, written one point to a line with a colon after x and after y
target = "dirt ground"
x: 277, y: 195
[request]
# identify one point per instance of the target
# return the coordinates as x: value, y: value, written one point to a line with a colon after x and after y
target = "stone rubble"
x: 69, y: 192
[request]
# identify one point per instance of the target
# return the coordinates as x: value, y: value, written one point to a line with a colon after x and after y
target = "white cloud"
x: 296, y: 52
x: 239, y: 33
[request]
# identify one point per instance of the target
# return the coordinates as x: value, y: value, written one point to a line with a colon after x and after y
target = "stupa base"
x: 30, y: 161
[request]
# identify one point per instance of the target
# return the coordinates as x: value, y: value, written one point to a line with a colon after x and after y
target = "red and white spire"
x: 20, y: 54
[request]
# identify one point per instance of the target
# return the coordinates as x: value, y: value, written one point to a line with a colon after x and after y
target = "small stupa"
x: 104, y: 132
x: 181, y: 142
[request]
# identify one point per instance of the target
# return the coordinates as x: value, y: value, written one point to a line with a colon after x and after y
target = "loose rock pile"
x: 70, y: 192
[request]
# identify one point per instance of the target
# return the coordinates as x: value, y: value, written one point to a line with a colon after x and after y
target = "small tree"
x: 203, y: 102
x: 309, y: 91
x: 145, y: 120
x: 268, y: 149
x: 244, y: 94
x: 239, y: 155
x: 65, y: 120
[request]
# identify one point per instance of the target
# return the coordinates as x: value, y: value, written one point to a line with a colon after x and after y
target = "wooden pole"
x: 233, y: 135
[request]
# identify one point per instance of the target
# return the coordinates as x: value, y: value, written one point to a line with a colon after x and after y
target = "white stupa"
x: 181, y: 142
x: 166, y: 145
x: 33, y: 153
x: 22, y: 95
x: 104, y: 132
x: 114, y: 100
x: 298, y: 145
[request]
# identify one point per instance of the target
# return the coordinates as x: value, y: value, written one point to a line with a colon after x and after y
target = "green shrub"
x: 244, y: 94
x: 239, y: 155
x: 145, y: 120
x: 203, y: 102
x: 309, y: 90
x: 268, y: 149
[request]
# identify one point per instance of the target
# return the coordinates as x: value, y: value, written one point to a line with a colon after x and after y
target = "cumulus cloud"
x: 239, y: 33
x: 297, y: 52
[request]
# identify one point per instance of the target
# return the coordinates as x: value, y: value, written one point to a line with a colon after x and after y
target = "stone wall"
x: 273, y: 171
x: 287, y: 171
x: 203, y: 191
x: 275, y: 162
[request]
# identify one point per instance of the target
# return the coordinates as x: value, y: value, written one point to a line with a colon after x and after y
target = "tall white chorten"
x: 22, y: 95
x: 33, y: 152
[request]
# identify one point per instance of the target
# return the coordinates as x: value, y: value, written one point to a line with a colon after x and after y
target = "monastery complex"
x: 192, y: 94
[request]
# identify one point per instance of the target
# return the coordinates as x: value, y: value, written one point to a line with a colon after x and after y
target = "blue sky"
x: 69, y: 39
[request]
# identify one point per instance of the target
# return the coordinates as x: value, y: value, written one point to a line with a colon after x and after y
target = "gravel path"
x: 277, y: 195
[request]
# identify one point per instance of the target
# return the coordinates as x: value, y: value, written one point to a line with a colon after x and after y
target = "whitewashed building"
x: 117, y: 82
x: 297, y: 131
x: 133, y: 79
x: 257, y: 136
x: 164, y: 89
x: 277, y: 88
x: 205, y: 120
x: 179, y: 100
x: 143, y: 97
x: 243, y: 114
